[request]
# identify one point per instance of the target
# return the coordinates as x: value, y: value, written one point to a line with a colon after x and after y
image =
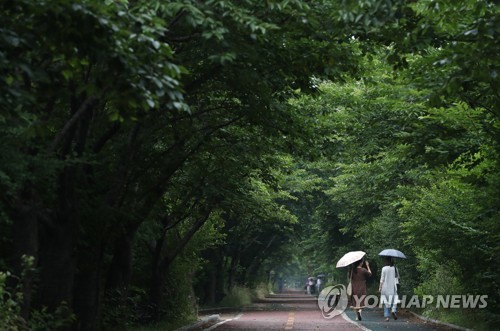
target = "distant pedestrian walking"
x: 318, y: 285
x: 310, y: 285
x: 359, y: 274
x: 388, y: 288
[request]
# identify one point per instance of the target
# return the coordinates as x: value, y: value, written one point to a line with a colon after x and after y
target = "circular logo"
x: 332, y: 301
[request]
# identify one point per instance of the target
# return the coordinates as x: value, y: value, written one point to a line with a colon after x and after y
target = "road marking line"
x: 291, y: 320
x: 344, y: 316
x: 220, y: 323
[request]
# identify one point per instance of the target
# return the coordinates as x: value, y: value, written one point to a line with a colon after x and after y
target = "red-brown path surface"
x: 295, y: 310
x: 292, y: 310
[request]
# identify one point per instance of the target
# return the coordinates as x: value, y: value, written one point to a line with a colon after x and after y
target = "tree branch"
x: 186, y: 238
x: 85, y: 106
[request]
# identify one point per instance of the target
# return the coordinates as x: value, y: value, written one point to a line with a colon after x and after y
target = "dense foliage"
x: 400, y: 173
x: 156, y: 154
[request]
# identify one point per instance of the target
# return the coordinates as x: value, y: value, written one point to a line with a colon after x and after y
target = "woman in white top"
x: 388, y: 289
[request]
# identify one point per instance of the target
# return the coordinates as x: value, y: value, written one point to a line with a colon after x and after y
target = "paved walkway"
x: 295, y: 310
x: 373, y: 319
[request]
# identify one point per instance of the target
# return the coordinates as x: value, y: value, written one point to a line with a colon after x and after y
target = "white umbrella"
x: 392, y: 252
x: 350, y: 258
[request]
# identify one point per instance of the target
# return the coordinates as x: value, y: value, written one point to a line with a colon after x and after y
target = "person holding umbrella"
x: 357, y: 279
x: 388, y: 288
x: 359, y: 274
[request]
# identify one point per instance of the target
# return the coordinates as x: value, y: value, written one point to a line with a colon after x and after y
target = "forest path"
x: 295, y: 310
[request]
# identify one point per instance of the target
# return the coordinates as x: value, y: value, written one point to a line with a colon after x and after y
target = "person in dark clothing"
x: 359, y: 274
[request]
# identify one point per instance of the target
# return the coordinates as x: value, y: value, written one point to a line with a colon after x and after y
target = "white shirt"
x: 388, y: 284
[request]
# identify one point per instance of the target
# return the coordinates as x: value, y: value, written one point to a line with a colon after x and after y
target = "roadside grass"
x: 466, y: 318
x: 261, y: 291
x: 238, y: 296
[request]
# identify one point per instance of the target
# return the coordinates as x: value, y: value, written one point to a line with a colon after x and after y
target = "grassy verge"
x: 238, y: 296
x: 261, y: 291
x: 470, y: 319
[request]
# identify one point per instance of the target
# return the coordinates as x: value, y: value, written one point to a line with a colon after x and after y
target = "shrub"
x: 261, y: 291
x: 11, y: 300
x: 238, y: 296
x: 10, y: 307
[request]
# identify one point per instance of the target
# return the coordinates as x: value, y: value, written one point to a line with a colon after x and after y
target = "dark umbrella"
x: 392, y: 253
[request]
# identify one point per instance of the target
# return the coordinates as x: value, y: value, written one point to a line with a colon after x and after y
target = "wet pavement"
x: 373, y: 319
x: 295, y: 310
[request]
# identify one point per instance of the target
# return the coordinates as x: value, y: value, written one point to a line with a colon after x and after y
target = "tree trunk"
x: 24, y: 242
x: 215, y: 288
x: 212, y: 286
x: 232, y: 268
x: 89, y: 286
x: 57, y: 265
x: 157, y: 278
x: 161, y: 262
x: 86, y: 298
x: 120, y: 270
x: 156, y: 291
x: 57, y: 248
